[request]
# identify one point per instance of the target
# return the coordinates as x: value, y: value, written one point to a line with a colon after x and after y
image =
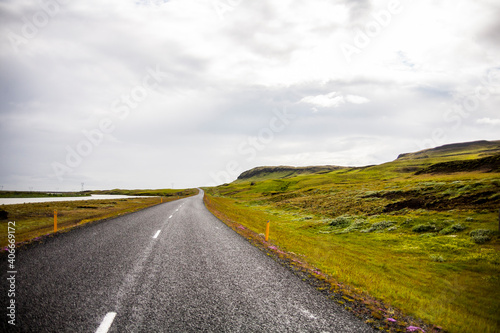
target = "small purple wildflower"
x: 414, y: 329
x: 273, y: 247
x: 240, y: 227
x: 392, y: 320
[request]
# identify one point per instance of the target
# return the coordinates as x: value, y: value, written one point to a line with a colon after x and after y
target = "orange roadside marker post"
x: 267, y: 231
x: 55, y: 220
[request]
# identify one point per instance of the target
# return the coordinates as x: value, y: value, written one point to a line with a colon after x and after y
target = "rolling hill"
x: 458, y: 157
x: 416, y: 237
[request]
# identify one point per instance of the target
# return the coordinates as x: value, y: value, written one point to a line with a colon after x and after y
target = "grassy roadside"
x: 33, y: 194
x: 165, y: 193
x: 36, y: 220
x: 419, y: 234
x: 284, y: 246
x: 448, y: 281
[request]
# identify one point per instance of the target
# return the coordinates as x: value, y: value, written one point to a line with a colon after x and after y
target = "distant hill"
x: 277, y: 172
x: 483, y: 156
x: 462, y: 150
x: 433, y: 212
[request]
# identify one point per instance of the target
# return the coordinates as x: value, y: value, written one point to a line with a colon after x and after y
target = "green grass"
x: 31, y: 194
x: 35, y: 220
x: 160, y: 192
x: 426, y: 244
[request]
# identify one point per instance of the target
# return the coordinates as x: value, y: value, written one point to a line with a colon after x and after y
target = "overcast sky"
x: 184, y: 93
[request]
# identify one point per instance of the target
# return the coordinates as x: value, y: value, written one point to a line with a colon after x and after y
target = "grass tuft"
x: 423, y: 228
x: 378, y: 226
x: 341, y: 221
x: 452, y: 229
x: 481, y: 236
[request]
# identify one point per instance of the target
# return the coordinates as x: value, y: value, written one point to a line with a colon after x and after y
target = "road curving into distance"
x: 169, y: 268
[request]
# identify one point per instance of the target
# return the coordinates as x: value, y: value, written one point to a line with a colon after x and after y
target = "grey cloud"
x: 212, y: 97
x: 359, y: 10
x: 491, y: 32
x: 269, y: 33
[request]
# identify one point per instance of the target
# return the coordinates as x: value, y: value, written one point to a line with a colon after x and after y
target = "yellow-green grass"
x: 37, y: 194
x: 444, y: 278
x: 460, y: 294
x: 34, y: 220
x: 404, y: 232
x: 158, y: 192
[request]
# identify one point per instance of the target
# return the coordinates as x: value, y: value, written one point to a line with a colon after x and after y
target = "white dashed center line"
x: 307, y: 314
x: 110, y: 316
x: 106, y: 322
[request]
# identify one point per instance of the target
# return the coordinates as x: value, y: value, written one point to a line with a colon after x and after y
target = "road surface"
x: 169, y: 268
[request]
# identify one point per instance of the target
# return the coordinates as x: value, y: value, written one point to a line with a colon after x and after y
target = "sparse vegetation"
x: 379, y: 226
x: 341, y: 221
x: 452, y: 229
x: 168, y: 193
x: 37, y: 194
x: 436, y: 258
x: 423, y: 228
x: 481, y: 236
x: 35, y: 220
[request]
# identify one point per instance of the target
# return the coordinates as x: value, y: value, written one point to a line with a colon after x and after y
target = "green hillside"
x: 280, y: 172
x: 419, y: 233
x: 417, y: 162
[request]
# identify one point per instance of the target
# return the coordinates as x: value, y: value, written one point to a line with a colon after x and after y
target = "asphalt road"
x: 169, y: 268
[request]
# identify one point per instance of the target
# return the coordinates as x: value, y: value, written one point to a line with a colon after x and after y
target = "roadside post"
x: 267, y: 231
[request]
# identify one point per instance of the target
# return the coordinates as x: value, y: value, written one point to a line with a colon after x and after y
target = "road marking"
x: 170, y: 216
x: 106, y: 322
x: 308, y: 314
x: 157, y: 233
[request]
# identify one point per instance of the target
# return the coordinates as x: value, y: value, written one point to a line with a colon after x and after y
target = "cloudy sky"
x: 184, y: 93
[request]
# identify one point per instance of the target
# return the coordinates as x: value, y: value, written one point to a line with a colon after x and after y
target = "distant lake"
x: 13, y: 201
